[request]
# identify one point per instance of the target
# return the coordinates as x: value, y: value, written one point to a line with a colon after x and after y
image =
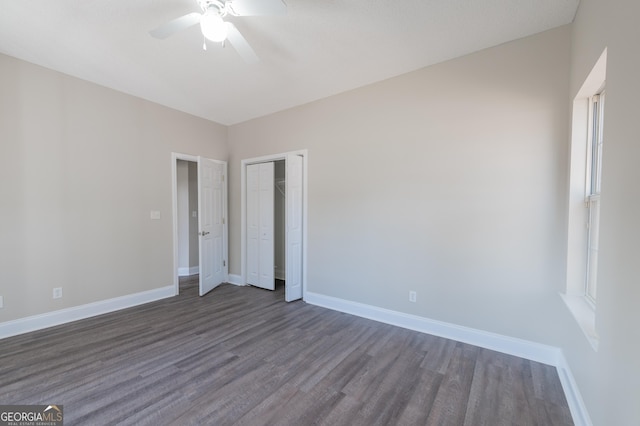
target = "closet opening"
x: 279, y: 211
x: 274, y: 222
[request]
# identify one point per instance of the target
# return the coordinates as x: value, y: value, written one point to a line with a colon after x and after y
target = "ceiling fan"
x: 213, y: 26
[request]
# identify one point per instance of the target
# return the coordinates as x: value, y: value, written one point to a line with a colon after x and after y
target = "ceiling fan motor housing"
x: 214, y: 6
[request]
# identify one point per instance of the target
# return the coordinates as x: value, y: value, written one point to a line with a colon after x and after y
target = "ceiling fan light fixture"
x: 213, y: 27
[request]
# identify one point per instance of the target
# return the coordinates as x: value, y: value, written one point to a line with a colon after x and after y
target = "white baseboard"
x: 185, y: 271
x: 50, y: 319
x: 235, y: 279
x: 280, y: 276
x: 509, y: 345
x: 572, y: 393
x: 533, y: 351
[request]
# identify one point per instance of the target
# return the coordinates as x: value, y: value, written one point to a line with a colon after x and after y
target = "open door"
x: 210, y: 223
x: 260, y: 225
x: 293, y: 250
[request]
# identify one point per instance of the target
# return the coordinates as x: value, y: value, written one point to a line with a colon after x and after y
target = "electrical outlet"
x: 412, y: 296
x: 57, y: 292
x: 1, y: 302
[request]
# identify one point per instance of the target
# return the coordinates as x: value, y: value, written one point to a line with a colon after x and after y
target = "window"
x: 593, y: 186
x: 585, y: 177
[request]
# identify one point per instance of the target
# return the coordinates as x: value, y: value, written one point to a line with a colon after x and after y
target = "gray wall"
x: 610, y: 378
x: 449, y: 181
x: 81, y: 167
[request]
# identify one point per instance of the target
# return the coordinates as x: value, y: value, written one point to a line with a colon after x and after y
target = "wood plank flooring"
x: 241, y: 355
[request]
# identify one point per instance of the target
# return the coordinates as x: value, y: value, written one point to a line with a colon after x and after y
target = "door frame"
x: 243, y: 207
x: 175, y: 156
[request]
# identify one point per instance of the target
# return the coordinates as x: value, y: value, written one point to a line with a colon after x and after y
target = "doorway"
x: 274, y: 222
x: 187, y: 216
x: 199, y: 192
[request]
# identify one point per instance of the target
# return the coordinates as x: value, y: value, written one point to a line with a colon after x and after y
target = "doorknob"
x: 203, y: 233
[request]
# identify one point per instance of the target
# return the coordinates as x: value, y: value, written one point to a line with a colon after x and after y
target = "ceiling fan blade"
x: 258, y: 7
x: 241, y: 45
x: 182, y: 23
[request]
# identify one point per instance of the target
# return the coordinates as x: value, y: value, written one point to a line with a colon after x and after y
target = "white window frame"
x: 582, y: 206
x: 593, y: 187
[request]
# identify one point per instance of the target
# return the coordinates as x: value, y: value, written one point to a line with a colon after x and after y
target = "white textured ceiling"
x: 320, y: 48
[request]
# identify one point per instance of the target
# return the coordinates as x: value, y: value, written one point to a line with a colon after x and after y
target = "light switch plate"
x: 1, y: 302
x: 155, y: 214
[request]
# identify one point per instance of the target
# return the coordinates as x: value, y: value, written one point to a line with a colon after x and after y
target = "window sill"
x: 584, y: 315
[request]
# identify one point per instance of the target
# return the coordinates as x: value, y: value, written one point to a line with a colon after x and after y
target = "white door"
x: 253, y: 224
x: 293, y: 250
x: 210, y: 223
x: 260, y: 224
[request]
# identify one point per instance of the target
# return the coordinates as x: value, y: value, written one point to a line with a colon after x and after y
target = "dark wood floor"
x: 241, y: 355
